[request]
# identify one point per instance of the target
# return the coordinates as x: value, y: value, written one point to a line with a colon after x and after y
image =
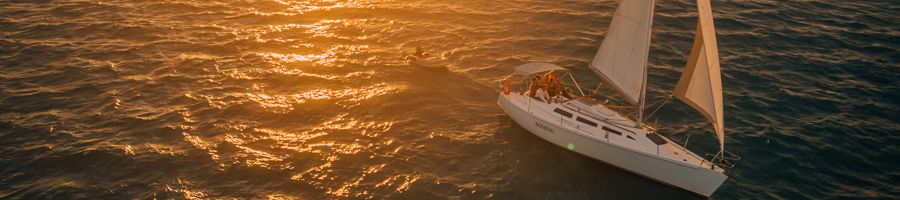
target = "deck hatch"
x: 656, y: 139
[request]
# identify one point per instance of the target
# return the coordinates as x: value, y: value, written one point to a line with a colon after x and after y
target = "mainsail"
x: 622, y: 58
x: 700, y: 85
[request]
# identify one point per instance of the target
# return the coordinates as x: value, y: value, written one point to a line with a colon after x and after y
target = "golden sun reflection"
x: 302, y: 7
x: 345, y: 97
x: 299, y: 58
x: 400, y: 182
x: 281, y: 103
x: 328, y: 58
x: 257, y: 158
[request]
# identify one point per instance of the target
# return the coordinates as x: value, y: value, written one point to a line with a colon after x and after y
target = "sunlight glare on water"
x: 280, y: 99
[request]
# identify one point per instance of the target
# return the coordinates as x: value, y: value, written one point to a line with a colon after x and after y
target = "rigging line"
x: 660, y: 106
x: 658, y: 101
x: 633, y: 112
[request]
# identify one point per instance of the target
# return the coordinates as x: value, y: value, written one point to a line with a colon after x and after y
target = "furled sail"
x: 622, y: 58
x: 700, y: 85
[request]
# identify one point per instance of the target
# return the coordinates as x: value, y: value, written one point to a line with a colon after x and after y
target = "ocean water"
x: 312, y: 99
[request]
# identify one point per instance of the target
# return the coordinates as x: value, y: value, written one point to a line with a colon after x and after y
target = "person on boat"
x: 542, y: 94
x: 558, y: 90
x: 536, y: 83
x: 568, y: 93
x: 552, y: 85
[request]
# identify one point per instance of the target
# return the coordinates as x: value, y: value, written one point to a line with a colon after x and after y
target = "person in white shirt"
x: 542, y: 95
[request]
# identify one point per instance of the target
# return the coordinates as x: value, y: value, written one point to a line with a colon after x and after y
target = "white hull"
x: 631, y: 150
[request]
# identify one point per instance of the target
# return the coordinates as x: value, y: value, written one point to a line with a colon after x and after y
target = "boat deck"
x: 670, y: 150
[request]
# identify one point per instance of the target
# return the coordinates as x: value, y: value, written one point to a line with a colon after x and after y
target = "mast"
x: 640, y: 119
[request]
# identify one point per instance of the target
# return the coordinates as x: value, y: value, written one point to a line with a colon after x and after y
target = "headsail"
x: 622, y: 58
x: 700, y: 85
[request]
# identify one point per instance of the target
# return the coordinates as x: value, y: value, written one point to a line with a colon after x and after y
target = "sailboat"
x: 599, y: 131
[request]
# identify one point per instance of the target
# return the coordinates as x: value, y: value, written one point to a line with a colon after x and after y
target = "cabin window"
x: 612, y: 130
x: 585, y: 121
x: 629, y: 137
x: 563, y: 112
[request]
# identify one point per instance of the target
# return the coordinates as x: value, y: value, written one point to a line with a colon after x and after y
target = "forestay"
x: 700, y: 85
x: 622, y: 58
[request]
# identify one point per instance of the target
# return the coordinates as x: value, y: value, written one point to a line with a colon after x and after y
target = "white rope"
x: 664, y: 101
x: 661, y: 100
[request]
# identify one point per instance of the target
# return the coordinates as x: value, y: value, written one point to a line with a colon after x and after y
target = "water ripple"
x: 313, y: 99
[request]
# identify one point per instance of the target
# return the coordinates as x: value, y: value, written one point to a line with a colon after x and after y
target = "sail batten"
x: 700, y: 85
x: 622, y: 57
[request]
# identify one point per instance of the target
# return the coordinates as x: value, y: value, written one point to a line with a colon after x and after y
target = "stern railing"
x: 725, y: 160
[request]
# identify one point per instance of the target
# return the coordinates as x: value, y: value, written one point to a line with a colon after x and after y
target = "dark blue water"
x: 312, y: 100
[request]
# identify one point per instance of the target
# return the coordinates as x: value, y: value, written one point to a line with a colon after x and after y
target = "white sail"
x: 700, y: 85
x: 622, y: 58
